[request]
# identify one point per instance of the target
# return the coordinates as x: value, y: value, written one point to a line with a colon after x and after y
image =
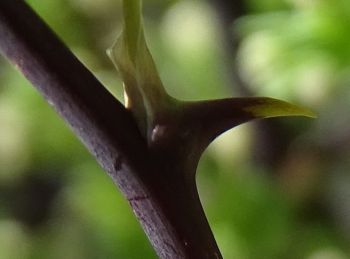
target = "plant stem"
x: 166, y: 204
x: 132, y: 18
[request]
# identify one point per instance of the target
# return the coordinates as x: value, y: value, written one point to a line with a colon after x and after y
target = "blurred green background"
x: 279, y: 188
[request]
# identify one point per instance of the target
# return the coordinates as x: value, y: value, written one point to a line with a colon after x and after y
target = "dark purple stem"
x: 166, y: 205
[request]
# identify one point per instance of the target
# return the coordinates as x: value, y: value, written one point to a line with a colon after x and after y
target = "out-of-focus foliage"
x: 55, y: 202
